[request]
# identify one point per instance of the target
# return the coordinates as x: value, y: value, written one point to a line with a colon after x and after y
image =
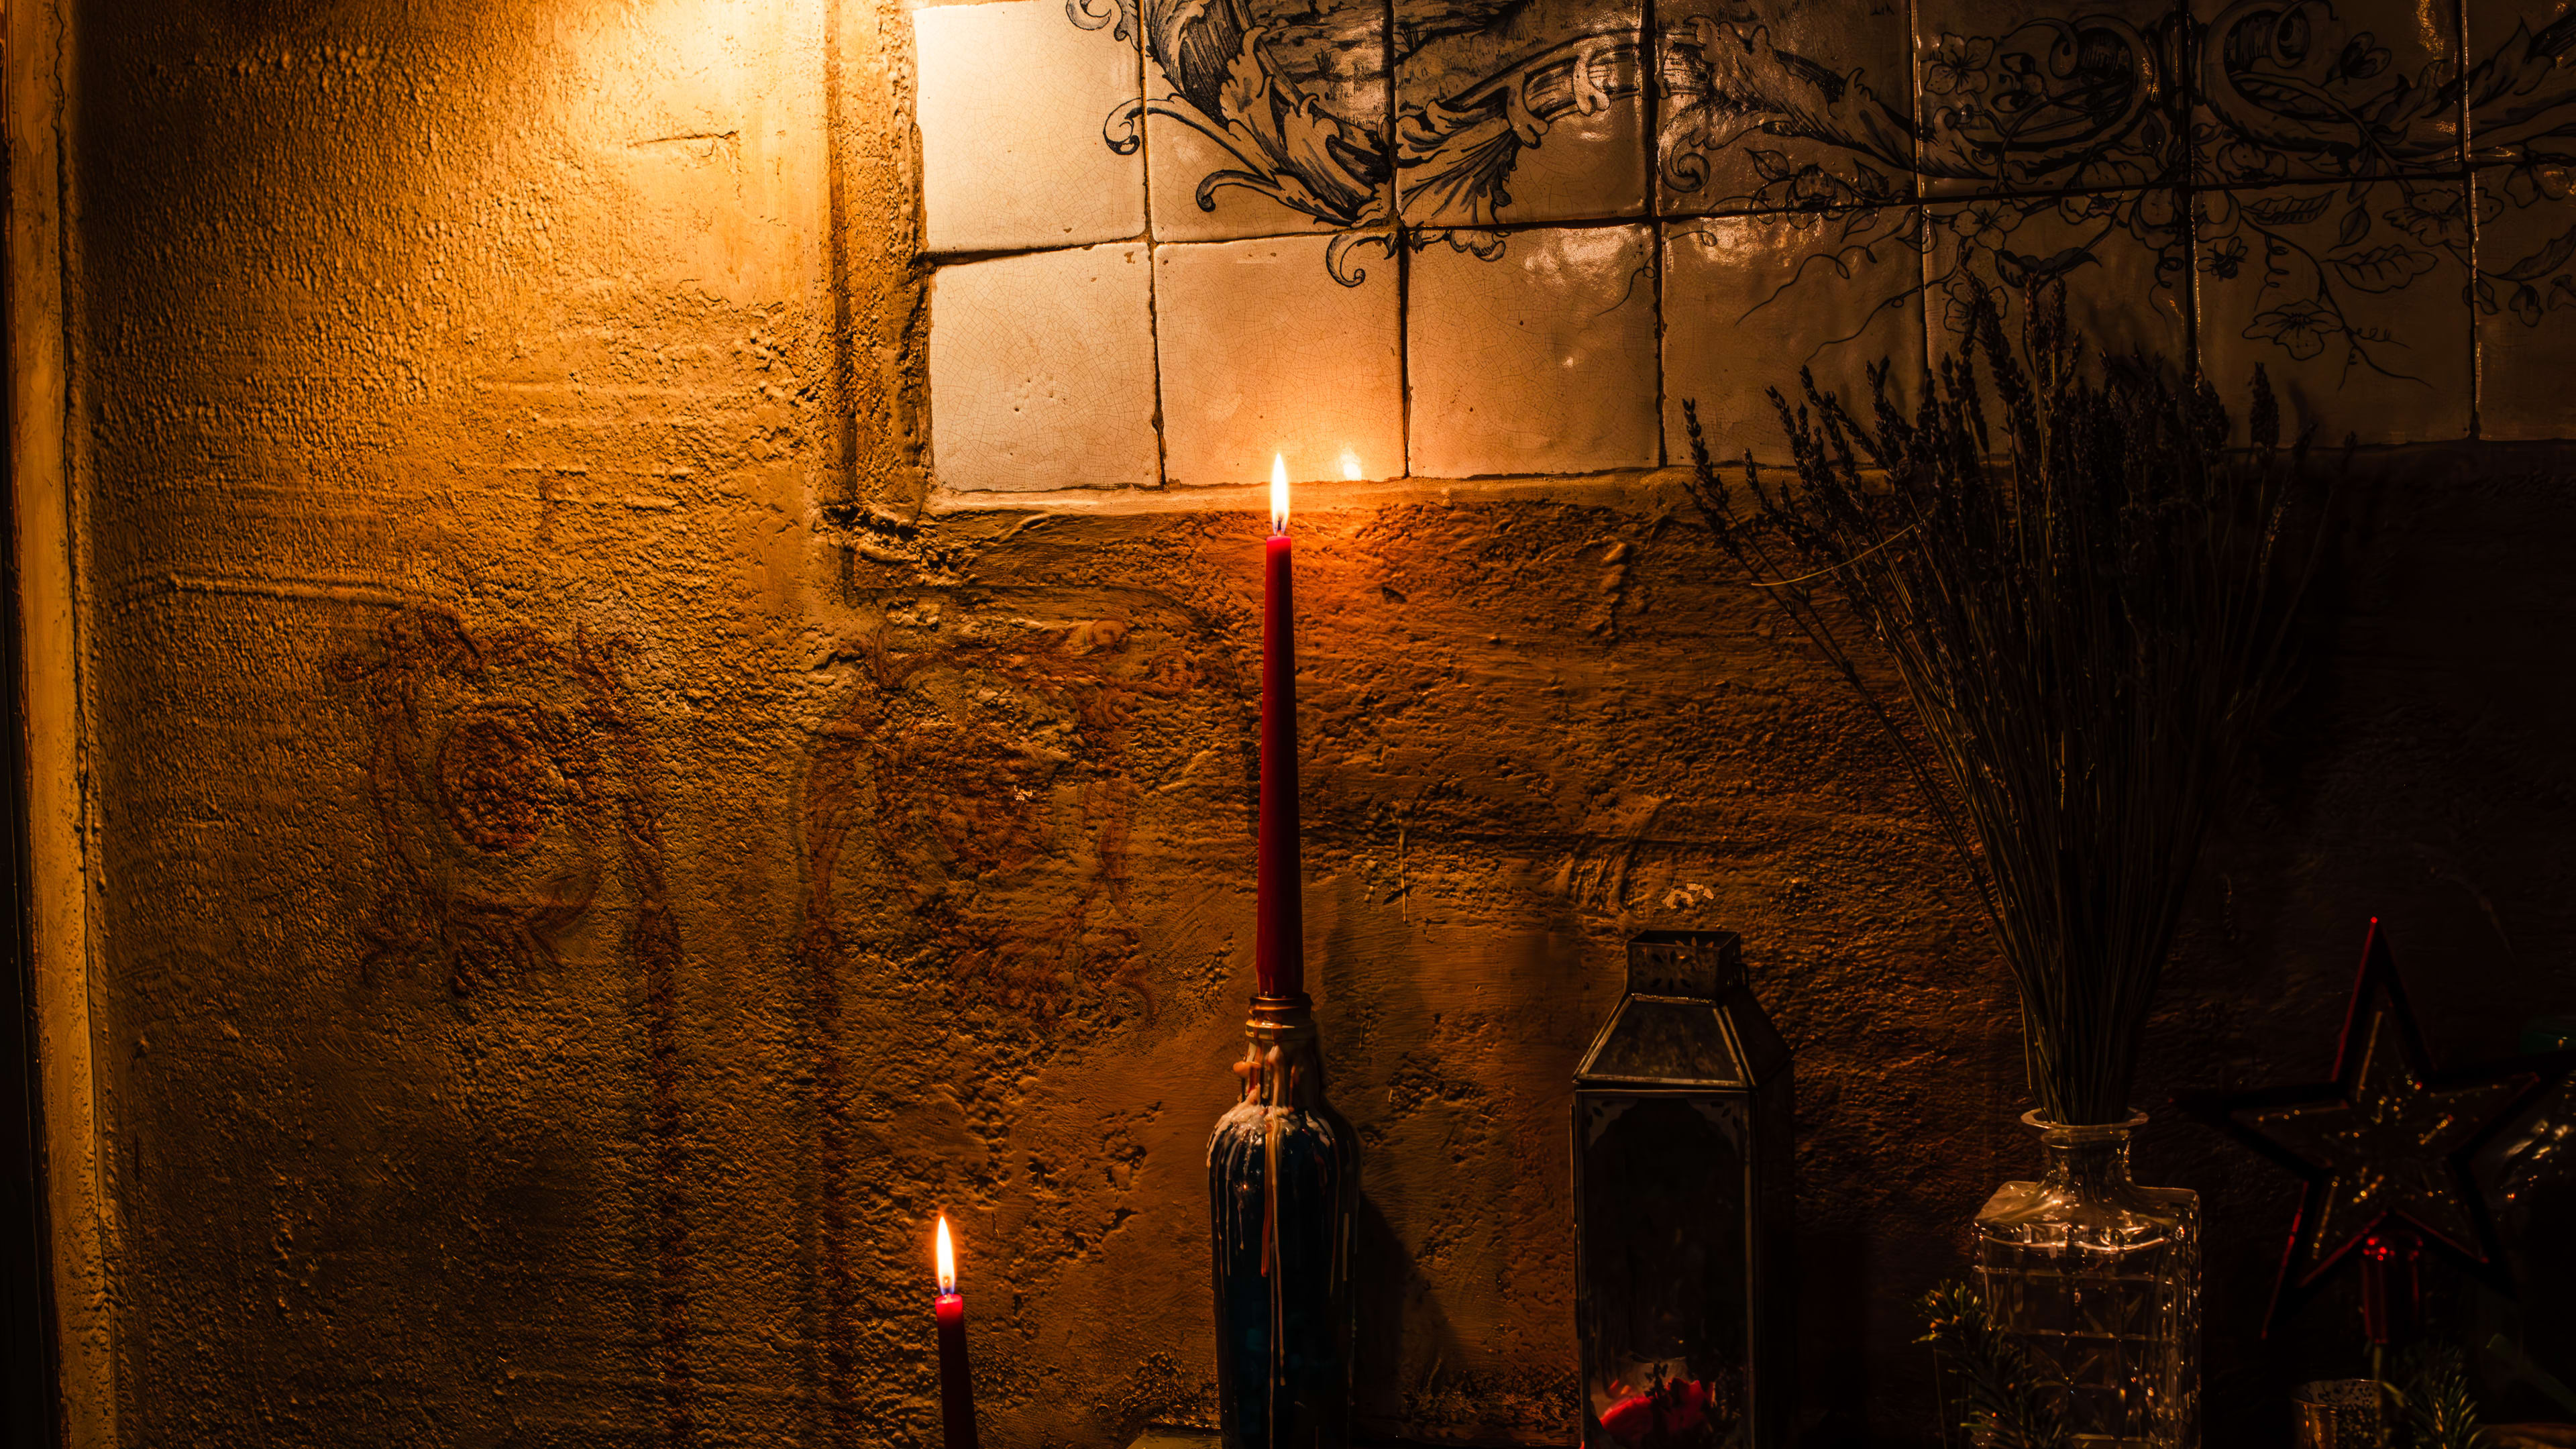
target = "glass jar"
x: 2097, y: 1281
x: 2339, y: 1414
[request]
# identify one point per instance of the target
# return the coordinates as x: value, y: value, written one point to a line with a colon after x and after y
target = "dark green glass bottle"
x: 1283, y: 1183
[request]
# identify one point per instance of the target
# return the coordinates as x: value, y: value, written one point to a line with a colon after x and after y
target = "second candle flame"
x: 947, y: 1260
x: 1278, y: 493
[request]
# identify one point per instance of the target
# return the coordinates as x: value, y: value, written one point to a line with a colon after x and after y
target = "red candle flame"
x: 956, y: 1385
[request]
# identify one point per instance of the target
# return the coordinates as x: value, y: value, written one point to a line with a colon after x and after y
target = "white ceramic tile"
x: 1524, y: 112
x: 1750, y: 300
x: 1042, y: 371
x: 1302, y: 108
x: 1013, y: 99
x: 1266, y: 350
x: 1539, y: 360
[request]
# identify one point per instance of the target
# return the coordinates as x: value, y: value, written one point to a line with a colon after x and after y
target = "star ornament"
x: 2386, y: 1142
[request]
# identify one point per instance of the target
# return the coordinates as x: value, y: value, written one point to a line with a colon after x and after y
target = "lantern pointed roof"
x: 1687, y: 1020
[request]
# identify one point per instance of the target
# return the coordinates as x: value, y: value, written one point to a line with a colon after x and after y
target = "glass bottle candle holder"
x: 1283, y: 1179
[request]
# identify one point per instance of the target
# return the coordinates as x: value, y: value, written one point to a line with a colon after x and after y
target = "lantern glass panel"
x: 1664, y: 1251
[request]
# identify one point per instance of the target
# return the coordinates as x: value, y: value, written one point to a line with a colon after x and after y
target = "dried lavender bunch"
x: 2086, y: 603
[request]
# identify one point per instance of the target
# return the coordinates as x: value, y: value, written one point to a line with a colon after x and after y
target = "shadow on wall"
x: 1400, y: 1324
x: 514, y: 782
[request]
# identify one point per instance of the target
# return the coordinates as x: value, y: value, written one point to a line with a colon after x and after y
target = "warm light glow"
x: 1278, y: 493
x: 947, y: 1260
x: 1350, y: 465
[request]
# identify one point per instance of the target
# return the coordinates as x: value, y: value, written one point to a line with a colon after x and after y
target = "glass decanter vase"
x: 2097, y: 1280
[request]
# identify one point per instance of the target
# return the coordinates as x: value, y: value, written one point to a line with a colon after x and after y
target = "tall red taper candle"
x: 1279, y: 922
x: 956, y: 1390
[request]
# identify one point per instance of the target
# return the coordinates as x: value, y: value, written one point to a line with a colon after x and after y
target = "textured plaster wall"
x: 587, y: 863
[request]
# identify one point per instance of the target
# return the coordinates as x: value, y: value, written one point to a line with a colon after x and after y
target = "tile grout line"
x: 2477, y: 351
x: 1153, y: 265
x: 1400, y: 252
x: 1663, y: 380
x: 1154, y: 335
x: 1650, y: 94
x: 1515, y: 228
x: 2477, y: 238
x: 1912, y: 13
x: 844, y: 343
x: 1403, y: 353
x: 2183, y: 54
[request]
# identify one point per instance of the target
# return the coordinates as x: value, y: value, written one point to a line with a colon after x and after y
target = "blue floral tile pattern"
x: 2298, y: 90
x: 2521, y: 85
x: 2349, y: 296
x: 2022, y: 97
x: 1518, y: 111
x: 1259, y: 118
x: 2374, y: 201
x: 1782, y: 105
x: 2115, y: 262
x: 2525, y: 300
x: 1742, y: 314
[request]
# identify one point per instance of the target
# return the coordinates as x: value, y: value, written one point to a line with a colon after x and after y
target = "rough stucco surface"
x: 587, y: 871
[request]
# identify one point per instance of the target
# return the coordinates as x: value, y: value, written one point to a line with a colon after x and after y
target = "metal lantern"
x: 1683, y: 1204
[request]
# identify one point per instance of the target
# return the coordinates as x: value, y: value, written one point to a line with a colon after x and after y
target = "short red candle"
x: 956, y: 1389
x: 1279, y: 925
